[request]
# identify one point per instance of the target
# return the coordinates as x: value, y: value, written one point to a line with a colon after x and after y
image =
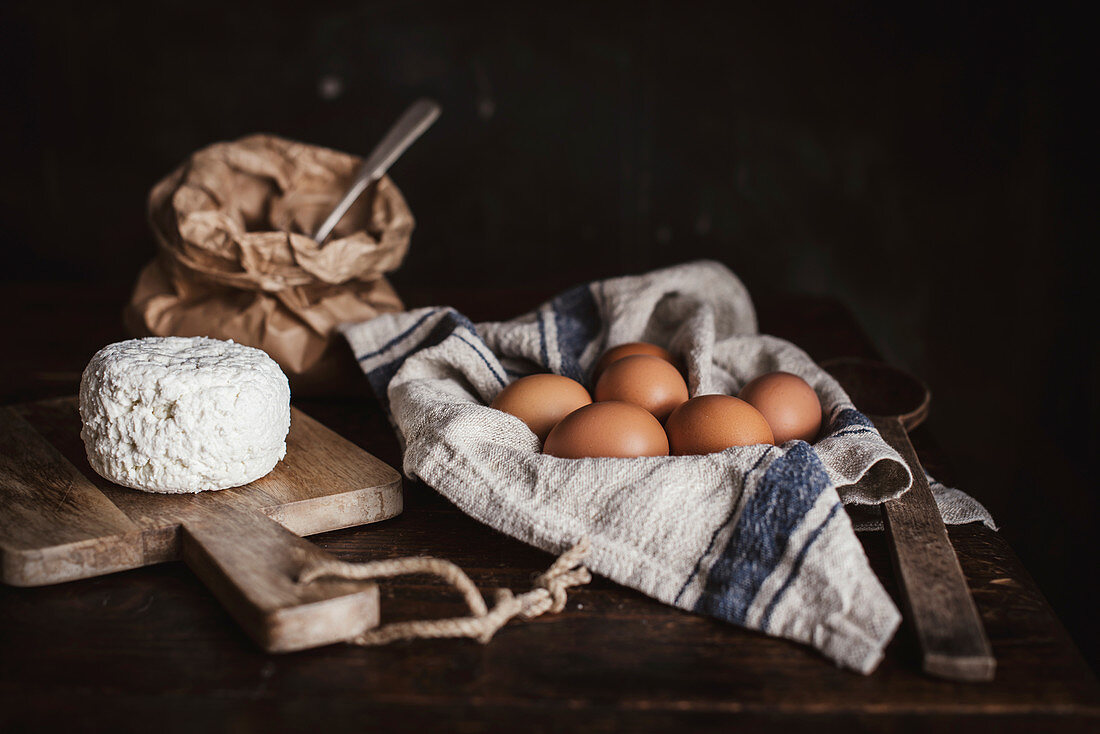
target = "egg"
x: 650, y: 382
x: 709, y: 423
x: 613, y: 429
x: 625, y: 350
x: 542, y: 400
x: 788, y: 403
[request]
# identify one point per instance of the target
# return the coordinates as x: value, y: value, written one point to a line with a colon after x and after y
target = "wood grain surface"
x: 59, y: 521
x: 937, y: 601
x: 324, y: 483
x: 252, y: 565
x: 55, y: 525
x: 152, y: 645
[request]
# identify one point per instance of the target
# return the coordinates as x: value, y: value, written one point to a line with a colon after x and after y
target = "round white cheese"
x: 183, y: 414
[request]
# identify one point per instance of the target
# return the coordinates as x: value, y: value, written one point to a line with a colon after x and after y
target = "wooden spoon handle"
x: 952, y: 640
x: 251, y: 563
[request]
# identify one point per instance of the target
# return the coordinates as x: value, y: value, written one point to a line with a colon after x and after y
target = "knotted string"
x: 548, y: 595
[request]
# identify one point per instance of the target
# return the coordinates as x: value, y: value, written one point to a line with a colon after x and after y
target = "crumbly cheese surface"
x: 183, y: 414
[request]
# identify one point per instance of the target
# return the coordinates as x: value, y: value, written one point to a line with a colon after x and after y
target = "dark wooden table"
x: 151, y: 649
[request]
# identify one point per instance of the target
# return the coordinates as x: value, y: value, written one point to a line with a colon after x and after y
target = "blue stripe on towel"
x: 718, y: 530
x: 797, y: 566
x: 399, y: 337
x: 482, y: 356
x: 449, y: 322
x: 849, y: 418
x: 850, y: 432
x: 544, y: 354
x: 787, y: 491
x: 577, y: 318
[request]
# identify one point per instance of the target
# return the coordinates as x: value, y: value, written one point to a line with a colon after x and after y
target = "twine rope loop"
x: 549, y: 594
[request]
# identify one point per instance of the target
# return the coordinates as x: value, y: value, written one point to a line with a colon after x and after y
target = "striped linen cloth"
x: 756, y: 535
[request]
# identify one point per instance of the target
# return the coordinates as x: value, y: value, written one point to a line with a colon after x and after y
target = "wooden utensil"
x: 952, y: 640
x: 61, y: 521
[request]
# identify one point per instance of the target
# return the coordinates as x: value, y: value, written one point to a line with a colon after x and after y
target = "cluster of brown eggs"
x: 641, y: 408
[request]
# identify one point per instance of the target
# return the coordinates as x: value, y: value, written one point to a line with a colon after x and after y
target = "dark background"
x: 924, y: 166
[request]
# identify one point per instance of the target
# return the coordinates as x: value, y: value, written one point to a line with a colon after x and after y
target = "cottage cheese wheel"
x: 183, y: 414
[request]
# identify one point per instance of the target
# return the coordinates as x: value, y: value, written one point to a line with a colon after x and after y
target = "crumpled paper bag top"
x: 235, y: 262
x: 237, y: 213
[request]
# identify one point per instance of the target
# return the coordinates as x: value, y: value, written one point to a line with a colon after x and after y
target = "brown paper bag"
x: 234, y: 262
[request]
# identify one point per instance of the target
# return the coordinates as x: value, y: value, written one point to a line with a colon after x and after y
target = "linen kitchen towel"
x: 756, y: 535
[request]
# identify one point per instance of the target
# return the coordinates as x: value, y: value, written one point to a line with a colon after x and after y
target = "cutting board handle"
x: 251, y: 563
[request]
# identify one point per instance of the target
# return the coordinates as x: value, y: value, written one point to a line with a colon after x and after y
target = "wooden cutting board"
x: 60, y: 521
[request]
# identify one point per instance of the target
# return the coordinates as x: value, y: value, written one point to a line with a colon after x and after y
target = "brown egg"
x: 709, y: 423
x: 789, y: 404
x: 625, y: 350
x: 607, y: 429
x: 650, y: 382
x: 541, y: 401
